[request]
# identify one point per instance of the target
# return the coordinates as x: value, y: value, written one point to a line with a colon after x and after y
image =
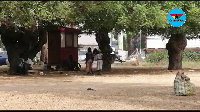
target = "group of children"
x: 96, y: 55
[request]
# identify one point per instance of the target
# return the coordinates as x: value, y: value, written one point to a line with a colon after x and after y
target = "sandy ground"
x: 124, y: 88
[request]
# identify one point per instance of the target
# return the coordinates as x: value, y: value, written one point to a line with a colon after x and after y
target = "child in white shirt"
x: 99, y: 57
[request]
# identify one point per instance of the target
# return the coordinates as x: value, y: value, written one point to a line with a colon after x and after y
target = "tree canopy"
x: 151, y: 17
x: 96, y: 15
x: 101, y: 17
x: 27, y: 13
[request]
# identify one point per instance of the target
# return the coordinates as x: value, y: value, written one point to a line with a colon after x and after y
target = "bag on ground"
x: 182, y: 85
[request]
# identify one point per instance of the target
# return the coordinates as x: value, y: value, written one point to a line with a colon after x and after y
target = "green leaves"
x: 151, y: 17
x: 26, y: 13
x: 97, y: 15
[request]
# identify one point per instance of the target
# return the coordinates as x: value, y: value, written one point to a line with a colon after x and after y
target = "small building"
x: 158, y: 43
x: 61, y: 43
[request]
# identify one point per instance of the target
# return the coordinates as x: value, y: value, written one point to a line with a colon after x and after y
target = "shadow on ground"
x: 116, y: 70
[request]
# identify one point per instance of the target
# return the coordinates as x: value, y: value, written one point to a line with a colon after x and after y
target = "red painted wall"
x: 56, y: 54
x: 66, y: 52
x: 54, y: 48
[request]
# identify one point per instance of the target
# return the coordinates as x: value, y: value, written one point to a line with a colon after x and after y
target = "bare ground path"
x: 122, y: 89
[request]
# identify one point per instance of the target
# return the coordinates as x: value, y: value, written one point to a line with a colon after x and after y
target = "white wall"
x: 157, y: 42
x: 120, y: 41
x: 123, y: 54
x: 86, y: 39
x: 193, y: 43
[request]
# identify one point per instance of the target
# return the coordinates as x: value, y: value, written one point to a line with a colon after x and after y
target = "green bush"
x: 190, y: 56
x: 157, y: 56
x: 161, y: 56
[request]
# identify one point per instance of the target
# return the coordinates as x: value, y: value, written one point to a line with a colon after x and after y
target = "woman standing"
x: 89, y: 61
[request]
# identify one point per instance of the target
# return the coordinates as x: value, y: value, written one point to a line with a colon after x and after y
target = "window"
x: 82, y: 52
x: 62, y: 39
x: 75, y: 40
x: 69, y: 40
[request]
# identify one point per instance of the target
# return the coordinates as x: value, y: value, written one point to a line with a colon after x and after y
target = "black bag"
x: 22, y: 67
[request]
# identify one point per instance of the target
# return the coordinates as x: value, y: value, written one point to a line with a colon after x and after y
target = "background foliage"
x: 162, y: 56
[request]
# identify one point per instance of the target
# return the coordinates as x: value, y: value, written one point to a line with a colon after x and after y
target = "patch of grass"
x: 190, y: 64
x: 185, y: 64
x: 149, y: 64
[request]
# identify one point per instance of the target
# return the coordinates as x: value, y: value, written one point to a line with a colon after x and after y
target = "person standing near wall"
x: 89, y: 61
x: 99, y: 57
x: 43, y: 55
x: 94, y: 53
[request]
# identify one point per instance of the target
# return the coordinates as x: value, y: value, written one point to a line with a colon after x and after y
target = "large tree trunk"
x: 175, y: 47
x: 128, y: 42
x: 21, y: 43
x: 39, y: 43
x: 13, y: 55
x: 11, y: 40
x: 103, y: 41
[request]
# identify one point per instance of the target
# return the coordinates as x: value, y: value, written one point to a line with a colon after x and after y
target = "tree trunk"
x: 21, y: 43
x: 39, y: 44
x: 128, y: 42
x: 103, y: 41
x: 175, y: 47
x: 11, y: 40
x: 13, y: 55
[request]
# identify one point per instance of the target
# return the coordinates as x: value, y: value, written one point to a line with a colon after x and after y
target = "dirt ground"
x: 124, y: 88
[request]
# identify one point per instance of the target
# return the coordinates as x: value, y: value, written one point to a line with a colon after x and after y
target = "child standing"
x: 99, y: 57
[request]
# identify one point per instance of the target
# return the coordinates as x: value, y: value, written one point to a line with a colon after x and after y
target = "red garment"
x: 89, y: 65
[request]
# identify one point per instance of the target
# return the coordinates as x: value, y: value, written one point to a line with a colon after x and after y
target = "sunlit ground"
x: 123, y: 88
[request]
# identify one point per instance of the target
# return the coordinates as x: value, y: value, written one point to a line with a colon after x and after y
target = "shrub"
x: 157, y: 56
x: 190, y: 56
